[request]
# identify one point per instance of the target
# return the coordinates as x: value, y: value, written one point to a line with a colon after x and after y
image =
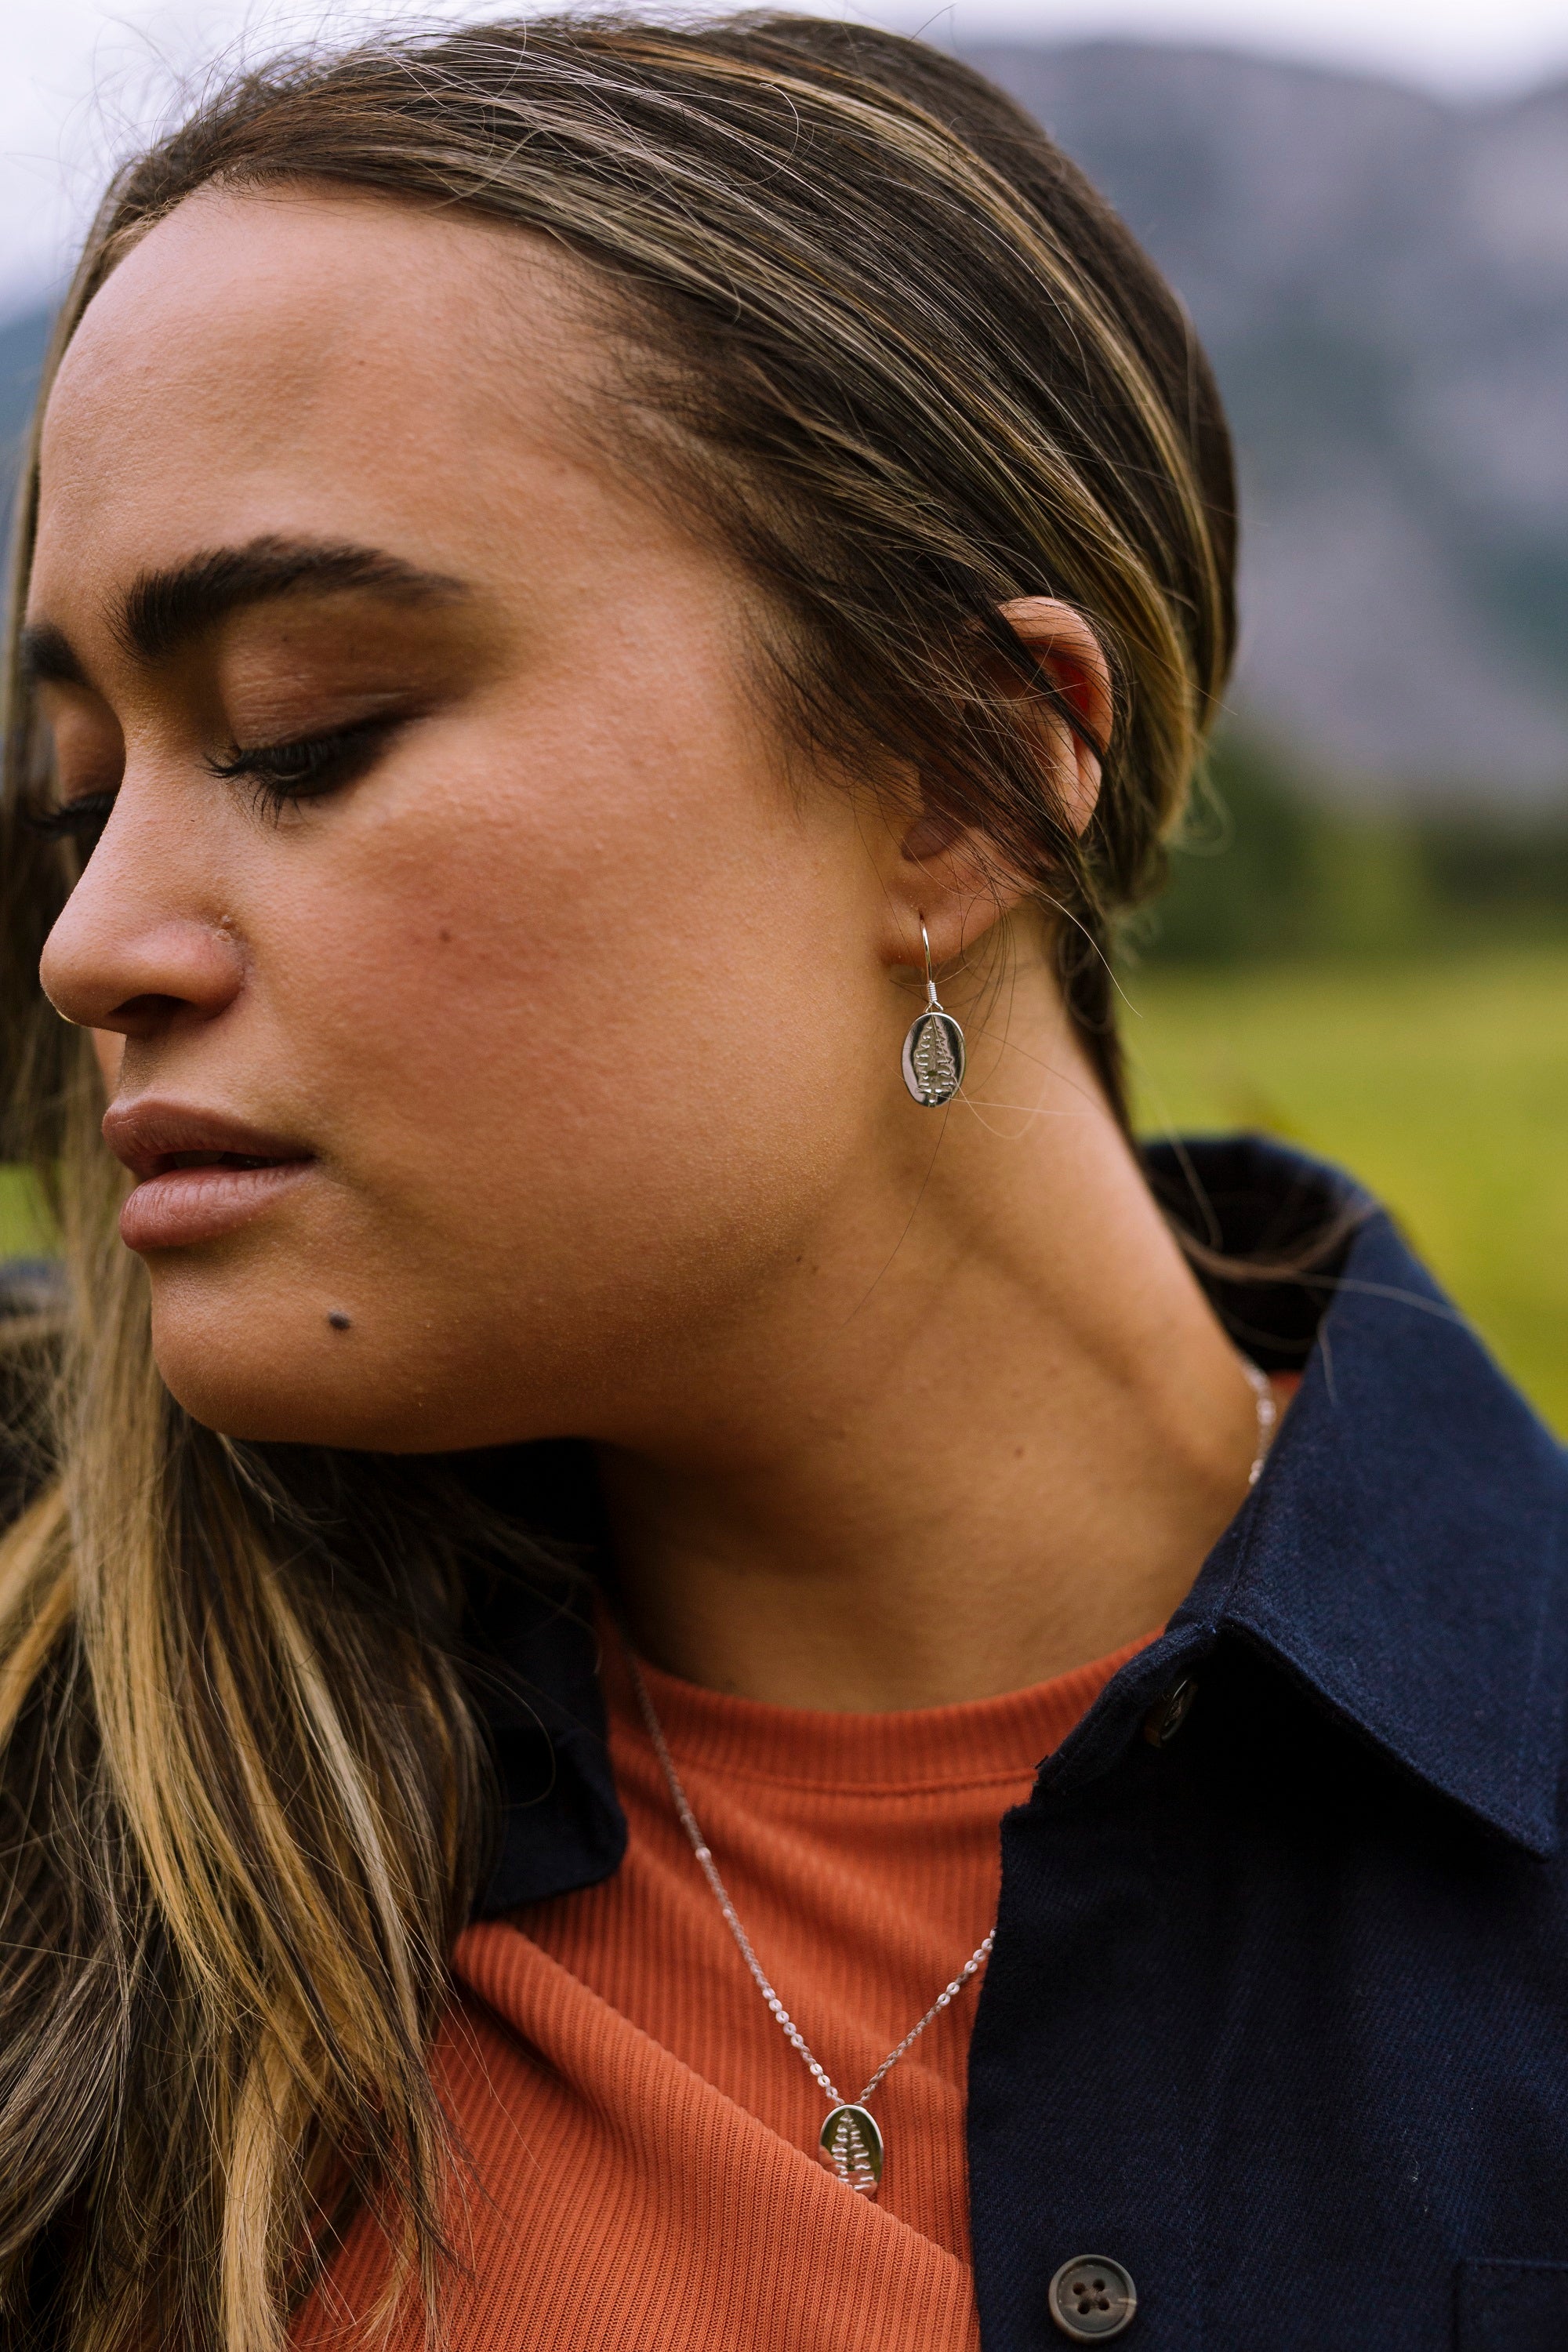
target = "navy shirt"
x: 1277, y: 2017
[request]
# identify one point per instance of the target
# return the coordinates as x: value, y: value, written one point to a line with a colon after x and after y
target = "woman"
x: 612, y: 619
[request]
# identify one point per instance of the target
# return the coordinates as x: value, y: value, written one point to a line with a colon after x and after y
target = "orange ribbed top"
x: 640, y: 2139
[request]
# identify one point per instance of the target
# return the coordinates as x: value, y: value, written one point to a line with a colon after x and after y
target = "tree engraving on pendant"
x: 933, y: 1058
x: 851, y: 2147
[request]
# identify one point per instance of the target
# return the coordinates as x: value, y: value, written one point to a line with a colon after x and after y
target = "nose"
x: 135, y: 950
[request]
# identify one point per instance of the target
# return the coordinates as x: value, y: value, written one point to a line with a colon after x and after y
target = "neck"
x: 973, y: 1446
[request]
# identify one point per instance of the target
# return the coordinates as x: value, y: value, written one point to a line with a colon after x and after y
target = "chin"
x: 257, y: 1371
x: 289, y: 1371
x: 274, y: 1406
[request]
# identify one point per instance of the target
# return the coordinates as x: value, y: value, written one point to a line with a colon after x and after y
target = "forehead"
x: 301, y: 361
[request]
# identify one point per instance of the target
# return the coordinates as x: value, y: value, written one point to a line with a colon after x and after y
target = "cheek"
x: 593, y: 1057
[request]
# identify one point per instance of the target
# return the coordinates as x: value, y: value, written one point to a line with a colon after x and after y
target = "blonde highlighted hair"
x: 885, y: 340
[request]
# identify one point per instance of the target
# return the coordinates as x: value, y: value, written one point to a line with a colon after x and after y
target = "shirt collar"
x: 534, y: 1668
x: 1402, y: 1555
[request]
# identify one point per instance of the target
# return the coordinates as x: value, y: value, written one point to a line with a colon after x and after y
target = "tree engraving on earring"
x: 933, y: 1050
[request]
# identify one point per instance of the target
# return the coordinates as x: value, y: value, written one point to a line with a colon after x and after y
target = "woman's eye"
x: 83, y: 819
x: 305, y: 769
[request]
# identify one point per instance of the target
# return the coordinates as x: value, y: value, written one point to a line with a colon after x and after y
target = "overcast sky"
x: 83, y: 78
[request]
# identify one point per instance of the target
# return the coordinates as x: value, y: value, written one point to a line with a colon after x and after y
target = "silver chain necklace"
x: 851, y: 2142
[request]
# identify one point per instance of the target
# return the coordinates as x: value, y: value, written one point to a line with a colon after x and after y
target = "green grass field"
x: 24, y: 1228
x: 1444, y: 1086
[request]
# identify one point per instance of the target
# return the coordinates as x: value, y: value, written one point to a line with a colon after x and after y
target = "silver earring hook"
x: 932, y: 1005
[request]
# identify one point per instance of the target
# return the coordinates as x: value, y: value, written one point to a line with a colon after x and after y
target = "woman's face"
x: 453, y: 871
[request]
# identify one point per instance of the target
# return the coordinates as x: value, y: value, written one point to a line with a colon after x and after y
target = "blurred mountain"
x: 22, y: 342
x: 1382, y: 281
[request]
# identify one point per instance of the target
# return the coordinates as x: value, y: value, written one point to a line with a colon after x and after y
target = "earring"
x: 933, y: 1050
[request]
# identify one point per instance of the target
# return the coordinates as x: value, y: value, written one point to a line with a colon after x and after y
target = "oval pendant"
x: 933, y: 1058
x: 851, y: 2147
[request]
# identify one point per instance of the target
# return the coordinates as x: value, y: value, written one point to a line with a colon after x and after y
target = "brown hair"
x: 890, y: 342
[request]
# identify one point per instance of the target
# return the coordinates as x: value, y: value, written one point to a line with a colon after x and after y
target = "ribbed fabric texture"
x: 641, y: 2171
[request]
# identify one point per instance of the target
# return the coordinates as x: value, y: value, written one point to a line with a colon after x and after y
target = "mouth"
x: 172, y: 1161
x: 198, y: 1173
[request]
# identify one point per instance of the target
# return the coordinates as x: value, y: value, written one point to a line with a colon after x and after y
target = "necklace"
x: 1267, y: 1416
x: 851, y: 2142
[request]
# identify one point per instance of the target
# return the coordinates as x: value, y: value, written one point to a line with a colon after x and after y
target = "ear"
x: 942, y: 876
x: 1072, y: 663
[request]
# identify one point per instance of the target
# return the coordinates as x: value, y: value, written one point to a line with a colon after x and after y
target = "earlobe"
x: 945, y: 890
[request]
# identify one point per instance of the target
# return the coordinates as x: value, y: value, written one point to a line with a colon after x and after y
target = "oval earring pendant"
x: 934, y: 1057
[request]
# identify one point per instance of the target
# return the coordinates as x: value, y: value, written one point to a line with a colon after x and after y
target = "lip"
x: 200, y: 1174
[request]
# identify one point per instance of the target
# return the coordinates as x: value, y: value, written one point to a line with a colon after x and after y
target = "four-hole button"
x: 1091, y: 2297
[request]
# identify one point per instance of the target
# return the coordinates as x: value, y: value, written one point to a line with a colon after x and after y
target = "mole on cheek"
x: 338, y: 1320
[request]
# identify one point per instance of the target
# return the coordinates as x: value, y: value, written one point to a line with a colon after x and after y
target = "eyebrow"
x: 162, y: 610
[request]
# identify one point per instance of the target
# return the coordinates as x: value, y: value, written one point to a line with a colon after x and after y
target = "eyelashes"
x: 278, y: 776
x: 306, y: 769
x: 79, y: 820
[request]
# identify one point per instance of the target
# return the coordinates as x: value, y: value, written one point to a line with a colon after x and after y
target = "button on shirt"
x: 1277, y: 2018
